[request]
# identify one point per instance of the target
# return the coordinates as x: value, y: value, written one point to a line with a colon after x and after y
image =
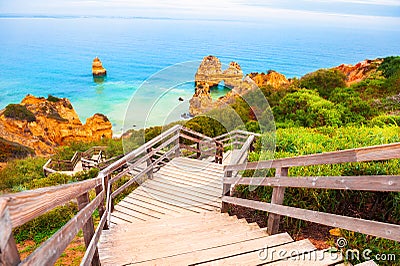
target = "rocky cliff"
x: 359, y: 71
x: 210, y: 74
x: 271, y: 79
x: 43, y: 124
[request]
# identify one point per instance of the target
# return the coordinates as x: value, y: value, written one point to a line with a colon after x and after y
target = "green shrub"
x: 390, y: 66
x: 307, y: 108
x: 19, y: 112
x: 355, y: 109
x: 384, y: 120
x: 18, y: 174
x: 52, y: 98
x: 45, y: 226
x: 324, y: 81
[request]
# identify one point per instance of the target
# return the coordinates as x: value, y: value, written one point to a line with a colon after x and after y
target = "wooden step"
x: 159, y: 234
x: 173, y: 199
x: 203, y: 176
x: 169, y: 207
x: 266, y: 255
x: 188, y: 182
x: 139, y: 250
x: 181, y: 197
x: 220, y: 252
x: 179, y: 190
x: 205, y: 191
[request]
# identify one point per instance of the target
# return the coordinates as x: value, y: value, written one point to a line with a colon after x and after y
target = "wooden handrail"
x: 281, y: 181
x: 379, y: 229
x: 133, y: 154
x: 373, y: 153
x: 364, y: 183
x: 27, y: 205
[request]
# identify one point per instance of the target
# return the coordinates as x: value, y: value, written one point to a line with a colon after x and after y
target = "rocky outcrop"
x: 272, y: 79
x: 359, y: 71
x: 97, y: 68
x: 54, y: 123
x: 210, y: 74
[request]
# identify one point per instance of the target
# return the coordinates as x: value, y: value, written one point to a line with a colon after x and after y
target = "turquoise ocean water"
x: 44, y: 56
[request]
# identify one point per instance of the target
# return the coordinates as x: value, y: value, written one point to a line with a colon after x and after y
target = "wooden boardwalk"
x: 178, y: 214
x: 183, y: 186
x: 175, y: 219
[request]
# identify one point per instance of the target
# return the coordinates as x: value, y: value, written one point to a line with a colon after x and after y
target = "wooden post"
x: 101, y: 207
x: 178, y: 150
x: 149, y: 163
x: 226, y: 191
x: 8, y: 248
x: 198, y: 153
x: 88, y: 227
x: 278, y: 195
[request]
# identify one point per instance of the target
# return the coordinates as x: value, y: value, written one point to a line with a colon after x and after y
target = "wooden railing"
x: 93, y: 157
x: 53, y: 166
x: 196, y: 145
x: 20, y: 208
x: 235, y: 139
x: 140, y: 163
x: 281, y: 181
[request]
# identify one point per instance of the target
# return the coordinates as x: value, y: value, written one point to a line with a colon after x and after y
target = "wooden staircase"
x: 208, y: 238
x: 175, y: 219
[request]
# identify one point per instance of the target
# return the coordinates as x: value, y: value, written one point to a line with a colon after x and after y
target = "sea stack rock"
x: 210, y: 74
x: 97, y: 68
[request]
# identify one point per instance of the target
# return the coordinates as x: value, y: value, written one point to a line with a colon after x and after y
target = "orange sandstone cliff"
x: 43, y: 124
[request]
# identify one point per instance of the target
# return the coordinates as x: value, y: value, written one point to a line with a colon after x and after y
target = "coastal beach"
x: 44, y: 56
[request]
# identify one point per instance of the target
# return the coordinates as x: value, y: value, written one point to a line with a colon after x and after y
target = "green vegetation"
x: 314, y: 114
x: 53, y: 99
x: 378, y: 206
x: 19, y: 112
x: 324, y: 81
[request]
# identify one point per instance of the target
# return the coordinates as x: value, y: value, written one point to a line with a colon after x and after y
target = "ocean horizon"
x: 53, y: 55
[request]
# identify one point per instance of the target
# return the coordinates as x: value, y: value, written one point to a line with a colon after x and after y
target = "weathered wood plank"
x: 373, y: 153
x: 92, y: 248
x: 51, y: 250
x: 8, y: 249
x: 182, y: 190
x: 365, y: 183
x: 379, y: 229
x: 216, y: 253
x: 173, y: 200
x: 182, y: 199
x: 193, y: 139
x: 88, y: 227
x: 204, y: 190
x: 278, y: 195
x: 145, y: 171
x: 27, y: 205
x: 163, y: 204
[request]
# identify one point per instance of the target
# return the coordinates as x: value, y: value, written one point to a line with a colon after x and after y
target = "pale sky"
x: 215, y: 9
